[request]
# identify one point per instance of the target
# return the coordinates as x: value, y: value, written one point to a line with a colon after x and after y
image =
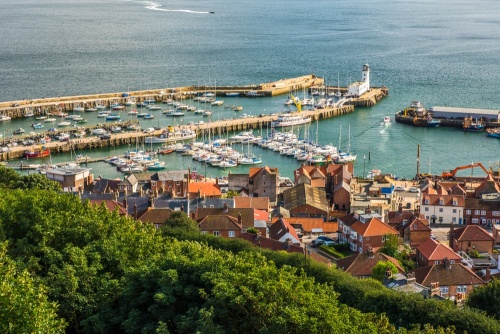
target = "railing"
x: 466, y: 258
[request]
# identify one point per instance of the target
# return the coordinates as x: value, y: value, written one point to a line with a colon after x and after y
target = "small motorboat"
x: 19, y: 131
x: 387, y: 120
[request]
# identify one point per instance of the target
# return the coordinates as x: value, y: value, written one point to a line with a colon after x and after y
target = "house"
x: 312, y: 225
x: 337, y: 186
x: 203, y: 190
x: 471, y: 237
x: 312, y: 175
x: 442, y: 208
x: 306, y: 201
x: 282, y: 231
x: 221, y: 225
x: 129, y: 185
x: 259, y: 182
x: 415, y: 232
x: 111, y: 205
x: 71, y: 180
x: 103, y: 186
x: 364, y: 232
x: 247, y: 217
x: 155, y: 216
x: 431, y: 252
x: 260, y: 203
x: 173, y: 183
x: 484, y: 207
x: 361, y: 265
x: 271, y: 244
x: 454, y: 281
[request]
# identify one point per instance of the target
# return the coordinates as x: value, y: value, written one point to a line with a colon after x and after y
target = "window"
x: 454, y: 210
x: 477, y: 212
x: 440, y: 209
x: 461, y: 289
x: 436, y: 262
x: 483, y: 212
x: 217, y: 233
x: 495, y: 213
x: 452, y: 261
x: 454, y: 219
x: 231, y: 234
x: 441, y: 201
x: 440, y: 219
x: 467, y: 212
x: 383, y: 238
x: 203, y: 232
x: 475, y: 221
x: 361, y: 238
x: 444, y: 290
x: 455, y: 202
x: 426, y: 209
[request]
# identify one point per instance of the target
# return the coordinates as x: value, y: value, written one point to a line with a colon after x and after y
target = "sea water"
x: 442, y: 53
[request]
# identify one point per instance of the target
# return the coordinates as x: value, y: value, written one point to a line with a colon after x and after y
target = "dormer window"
x: 441, y: 201
x: 427, y: 201
x: 455, y: 202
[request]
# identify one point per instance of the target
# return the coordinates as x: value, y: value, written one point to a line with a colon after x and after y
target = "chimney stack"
x: 368, y: 210
x: 410, y: 278
x: 447, y: 263
x: 225, y: 209
x: 239, y: 218
x: 370, y: 252
x: 487, y: 277
x: 400, y: 208
x: 135, y: 210
x: 450, y: 235
x: 125, y: 202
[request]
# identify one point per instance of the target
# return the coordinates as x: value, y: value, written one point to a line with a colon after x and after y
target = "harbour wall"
x: 454, y: 123
x: 134, y: 138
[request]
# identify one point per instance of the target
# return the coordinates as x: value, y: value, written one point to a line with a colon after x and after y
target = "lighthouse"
x: 365, y: 76
x: 358, y: 88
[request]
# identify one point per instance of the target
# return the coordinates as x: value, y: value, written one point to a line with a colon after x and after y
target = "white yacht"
x: 290, y: 119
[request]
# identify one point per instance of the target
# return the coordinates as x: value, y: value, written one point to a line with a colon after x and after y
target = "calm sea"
x: 442, y: 53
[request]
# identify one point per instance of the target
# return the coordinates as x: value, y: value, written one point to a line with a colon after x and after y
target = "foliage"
x: 391, y: 245
x: 9, y: 178
x: 231, y: 194
x: 486, y: 298
x: 252, y: 231
x: 331, y: 251
x: 180, y: 220
x: 24, y: 306
x: 110, y: 273
x: 379, y: 271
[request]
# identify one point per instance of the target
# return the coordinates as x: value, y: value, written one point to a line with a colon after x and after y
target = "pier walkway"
x: 132, y: 137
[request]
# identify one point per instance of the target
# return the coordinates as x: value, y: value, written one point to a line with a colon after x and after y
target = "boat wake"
x: 158, y: 7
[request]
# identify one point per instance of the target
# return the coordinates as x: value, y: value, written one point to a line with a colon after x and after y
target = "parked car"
x: 413, y: 190
x: 399, y: 188
x: 328, y: 243
x: 321, y: 240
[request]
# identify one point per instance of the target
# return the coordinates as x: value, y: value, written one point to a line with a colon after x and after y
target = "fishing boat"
x: 290, y: 119
x: 159, y: 165
x: 113, y: 117
x: 426, y: 121
x: 495, y: 133
x: 37, y: 153
x: 37, y: 126
x: 170, y: 136
x: 472, y: 126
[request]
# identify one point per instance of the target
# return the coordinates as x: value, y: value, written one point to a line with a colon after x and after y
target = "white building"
x: 443, y: 209
x: 358, y: 88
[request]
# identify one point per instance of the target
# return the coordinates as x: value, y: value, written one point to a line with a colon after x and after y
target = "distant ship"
x: 426, y: 121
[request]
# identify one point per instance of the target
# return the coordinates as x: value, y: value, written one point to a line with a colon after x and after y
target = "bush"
x: 330, y: 250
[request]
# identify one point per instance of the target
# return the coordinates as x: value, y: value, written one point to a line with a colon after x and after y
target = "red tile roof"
x: 261, y: 203
x: 280, y: 228
x: 458, y: 274
x: 219, y: 222
x: 271, y: 244
x: 307, y: 224
x: 446, y: 200
x: 205, y: 188
x: 435, y: 251
x: 373, y: 227
x: 155, y: 215
x: 471, y: 233
x: 260, y: 215
x: 362, y: 265
x: 111, y: 205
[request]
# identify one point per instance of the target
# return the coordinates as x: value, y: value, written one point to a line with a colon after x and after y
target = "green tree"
x: 380, y: 269
x: 24, y: 306
x: 181, y: 221
x: 231, y: 194
x: 391, y: 245
x: 486, y: 298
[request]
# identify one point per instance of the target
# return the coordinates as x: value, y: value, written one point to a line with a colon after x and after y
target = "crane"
x: 451, y: 173
x: 297, y: 102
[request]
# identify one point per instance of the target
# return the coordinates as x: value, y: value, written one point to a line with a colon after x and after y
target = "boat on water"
x: 113, y: 117
x: 232, y: 94
x: 249, y: 161
x: 472, y: 126
x: 387, y: 120
x: 62, y: 124
x: 253, y: 93
x: 19, y: 131
x: 98, y: 132
x: 29, y: 114
x: 41, y: 118
x: 170, y: 135
x: 133, y: 112
x: 37, y: 153
x: 495, y: 133
x: 290, y: 119
x: 153, y: 107
x: 50, y: 120
x: 118, y: 107
x: 207, y: 113
x: 426, y: 121
x: 148, y: 116
x: 4, y: 118
x: 37, y: 126
x: 78, y: 108
x: 159, y: 165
